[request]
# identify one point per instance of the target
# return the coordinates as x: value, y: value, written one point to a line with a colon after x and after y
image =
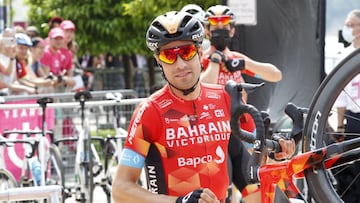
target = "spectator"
x: 32, y: 31
x: 218, y: 61
x: 86, y: 61
x: 37, y: 51
x: 55, y: 22
x: 8, y: 77
x: 68, y: 28
x: 180, y: 106
x: 347, y: 112
x: 53, y: 59
x: 24, y: 72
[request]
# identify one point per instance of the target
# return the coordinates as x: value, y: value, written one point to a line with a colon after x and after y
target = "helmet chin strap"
x: 186, y: 91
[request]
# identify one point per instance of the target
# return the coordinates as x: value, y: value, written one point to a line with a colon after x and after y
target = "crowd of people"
x: 31, y: 64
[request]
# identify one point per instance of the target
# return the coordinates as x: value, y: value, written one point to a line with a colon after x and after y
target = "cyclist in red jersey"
x: 221, y: 64
x: 180, y: 134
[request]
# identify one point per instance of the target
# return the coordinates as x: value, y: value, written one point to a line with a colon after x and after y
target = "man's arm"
x: 125, y: 188
x: 266, y: 71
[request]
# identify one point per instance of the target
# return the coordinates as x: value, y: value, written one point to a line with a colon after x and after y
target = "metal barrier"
x: 31, y: 193
x: 67, y: 116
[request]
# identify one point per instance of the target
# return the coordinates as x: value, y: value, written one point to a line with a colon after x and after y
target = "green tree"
x: 112, y: 26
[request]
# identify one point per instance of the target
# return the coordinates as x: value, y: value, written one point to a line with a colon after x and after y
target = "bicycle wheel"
x: 111, y: 161
x: 7, y: 180
x: 55, y: 174
x: 318, y: 131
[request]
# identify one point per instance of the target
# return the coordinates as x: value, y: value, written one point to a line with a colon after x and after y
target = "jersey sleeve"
x: 141, y: 132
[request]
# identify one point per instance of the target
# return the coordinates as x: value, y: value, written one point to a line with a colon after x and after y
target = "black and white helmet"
x: 195, y: 10
x: 219, y: 10
x: 172, y: 26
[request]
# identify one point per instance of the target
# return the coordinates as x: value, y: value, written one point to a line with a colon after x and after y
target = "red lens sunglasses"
x: 215, y: 20
x: 186, y: 52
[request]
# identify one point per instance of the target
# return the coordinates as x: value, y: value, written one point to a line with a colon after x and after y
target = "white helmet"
x: 195, y: 10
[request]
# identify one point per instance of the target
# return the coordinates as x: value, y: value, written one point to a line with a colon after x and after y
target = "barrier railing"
x: 30, y: 193
x: 66, y: 107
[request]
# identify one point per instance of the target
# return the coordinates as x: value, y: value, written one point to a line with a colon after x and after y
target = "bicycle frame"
x: 281, y: 174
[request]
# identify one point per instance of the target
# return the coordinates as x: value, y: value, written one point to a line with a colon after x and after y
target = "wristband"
x: 192, y: 197
x: 341, y: 127
x: 235, y: 64
x: 59, y: 78
x: 215, y: 60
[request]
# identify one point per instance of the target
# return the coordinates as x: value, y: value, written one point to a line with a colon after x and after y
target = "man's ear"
x: 200, y: 50
x: 232, y: 31
x: 207, y: 33
x: 156, y: 58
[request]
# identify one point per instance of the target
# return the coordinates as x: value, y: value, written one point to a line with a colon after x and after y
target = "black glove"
x: 235, y: 64
x: 276, y: 137
x: 216, y: 60
x: 192, y: 197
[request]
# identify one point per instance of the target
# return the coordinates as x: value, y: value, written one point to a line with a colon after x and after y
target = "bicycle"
x: 85, y: 155
x: 318, y: 157
x: 47, y: 155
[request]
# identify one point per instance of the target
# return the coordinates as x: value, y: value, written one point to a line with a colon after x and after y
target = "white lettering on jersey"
x: 197, y: 134
x: 153, y: 186
x: 136, y: 122
x: 195, y: 161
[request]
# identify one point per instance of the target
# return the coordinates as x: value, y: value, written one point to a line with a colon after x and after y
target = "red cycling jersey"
x: 246, y: 121
x: 184, y: 143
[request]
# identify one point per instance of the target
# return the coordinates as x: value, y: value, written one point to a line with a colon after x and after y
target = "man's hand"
x: 199, y: 196
x: 287, y: 149
x: 217, y: 57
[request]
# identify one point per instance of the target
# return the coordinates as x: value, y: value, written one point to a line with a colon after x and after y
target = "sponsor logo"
x: 197, y: 37
x: 196, y: 161
x: 152, y: 184
x: 314, y: 130
x: 212, y: 95
x: 136, y: 122
x: 205, y: 115
x: 165, y: 103
x: 152, y: 45
x: 219, y: 113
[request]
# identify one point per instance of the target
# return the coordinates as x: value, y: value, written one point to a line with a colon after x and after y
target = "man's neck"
x: 53, y: 49
x: 356, y: 42
x: 191, y: 96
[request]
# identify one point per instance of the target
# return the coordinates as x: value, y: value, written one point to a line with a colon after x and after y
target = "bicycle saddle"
x: 83, y: 95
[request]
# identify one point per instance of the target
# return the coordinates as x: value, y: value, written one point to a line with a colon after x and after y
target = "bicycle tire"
x: 7, y: 181
x: 111, y: 160
x: 87, y: 173
x: 318, y: 122
x: 55, y: 170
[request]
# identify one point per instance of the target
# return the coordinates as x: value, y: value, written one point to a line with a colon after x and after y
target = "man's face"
x: 218, y: 23
x: 69, y: 35
x: 57, y: 42
x: 21, y: 51
x: 354, y: 23
x: 185, y: 69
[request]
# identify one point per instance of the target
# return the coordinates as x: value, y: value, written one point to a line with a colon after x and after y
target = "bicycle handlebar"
x: 33, y: 142
x: 238, y: 108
